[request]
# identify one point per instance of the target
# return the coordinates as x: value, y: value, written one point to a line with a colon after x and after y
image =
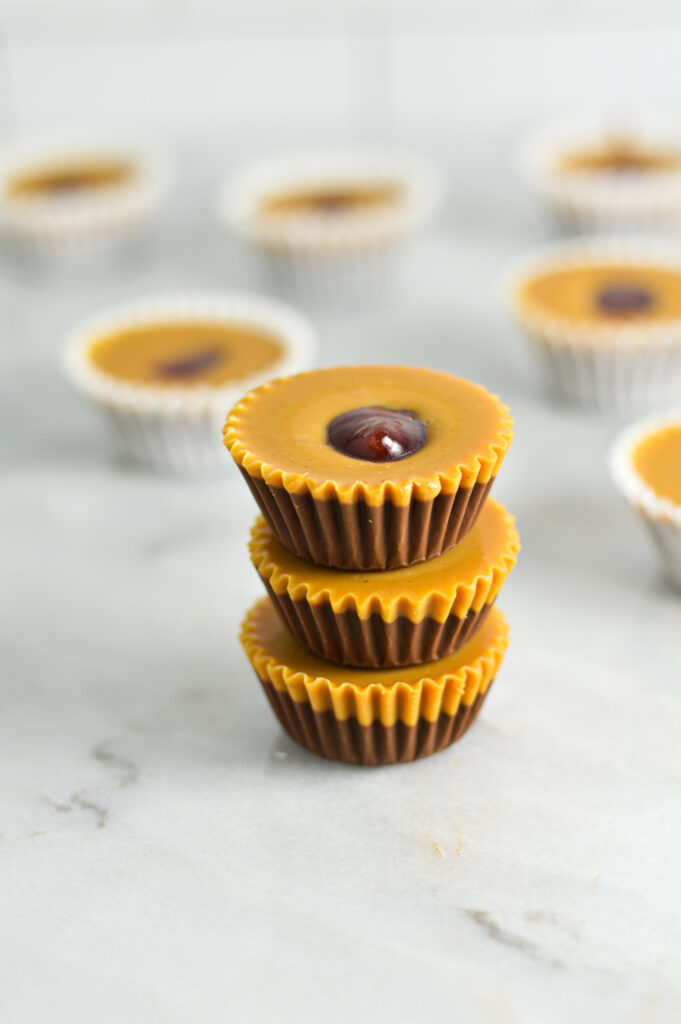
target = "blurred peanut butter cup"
x: 165, y: 372
x: 646, y: 467
x: 604, y: 319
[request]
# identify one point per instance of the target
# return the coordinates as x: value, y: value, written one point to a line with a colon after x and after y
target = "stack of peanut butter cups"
x: 378, y: 640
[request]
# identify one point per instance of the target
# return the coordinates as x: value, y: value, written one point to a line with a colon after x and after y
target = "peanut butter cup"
x: 596, y: 176
x: 604, y: 319
x: 646, y: 467
x: 332, y: 224
x: 165, y: 372
x: 399, y: 617
x: 369, y: 467
x: 369, y: 717
x: 73, y: 202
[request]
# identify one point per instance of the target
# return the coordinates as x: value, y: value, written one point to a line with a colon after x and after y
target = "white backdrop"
x: 373, y: 66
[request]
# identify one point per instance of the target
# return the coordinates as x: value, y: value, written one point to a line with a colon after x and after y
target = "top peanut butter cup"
x: 369, y: 467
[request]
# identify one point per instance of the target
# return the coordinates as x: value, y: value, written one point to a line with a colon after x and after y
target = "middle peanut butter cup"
x: 398, y: 617
x: 369, y: 467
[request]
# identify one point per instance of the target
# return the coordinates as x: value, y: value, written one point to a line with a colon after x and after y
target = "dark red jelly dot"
x: 189, y: 366
x: 332, y: 202
x: 66, y: 184
x: 624, y: 299
x: 377, y: 434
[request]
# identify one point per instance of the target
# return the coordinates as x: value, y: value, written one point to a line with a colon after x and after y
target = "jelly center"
x: 191, y: 365
x: 377, y: 434
x: 332, y: 202
x: 624, y: 299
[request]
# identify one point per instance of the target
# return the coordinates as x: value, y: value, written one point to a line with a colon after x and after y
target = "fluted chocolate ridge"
x: 352, y: 743
x: 347, y: 639
x: 359, y: 536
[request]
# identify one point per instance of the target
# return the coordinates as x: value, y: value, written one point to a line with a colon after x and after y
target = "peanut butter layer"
x: 69, y: 177
x: 387, y: 695
x: 461, y: 580
x: 657, y: 460
x: 575, y: 293
x: 278, y: 433
x: 332, y: 199
x: 185, y: 353
x: 621, y: 156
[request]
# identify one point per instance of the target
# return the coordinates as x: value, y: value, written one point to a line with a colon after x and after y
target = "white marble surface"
x: 168, y: 855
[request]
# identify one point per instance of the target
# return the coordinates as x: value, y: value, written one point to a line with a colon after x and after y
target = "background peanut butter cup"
x: 73, y: 225
x: 351, y: 513
x: 174, y: 424
x: 399, y: 617
x: 644, y: 466
x: 592, y: 177
x: 330, y: 247
x: 371, y: 717
x: 594, y: 352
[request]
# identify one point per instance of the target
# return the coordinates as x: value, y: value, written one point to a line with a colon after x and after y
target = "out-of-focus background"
x: 391, y: 67
x: 167, y: 854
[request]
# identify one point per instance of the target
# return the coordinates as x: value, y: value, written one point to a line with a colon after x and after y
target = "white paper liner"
x: 607, y: 366
x: 180, y: 427
x: 662, y: 516
x: 348, y: 254
x: 588, y: 201
x: 66, y: 229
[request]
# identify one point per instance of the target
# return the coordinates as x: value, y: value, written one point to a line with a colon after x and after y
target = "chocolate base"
x: 322, y: 733
x: 367, y: 537
x: 347, y: 639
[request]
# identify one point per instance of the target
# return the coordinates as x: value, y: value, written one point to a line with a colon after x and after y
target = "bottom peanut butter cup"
x: 372, y: 716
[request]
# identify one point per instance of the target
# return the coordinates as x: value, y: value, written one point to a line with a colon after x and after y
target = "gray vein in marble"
x: 101, y: 814
x: 125, y: 770
x: 508, y: 938
x: 557, y: 921
x: 77, y: 801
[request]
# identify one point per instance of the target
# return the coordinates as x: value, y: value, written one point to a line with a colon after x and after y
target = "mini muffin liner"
x: 172, y: 427
x: 351, y: 256
x: 381, y: 630
x: 661, y: 516
x: 375, y: 723
x: 608, y: 366
x: 587, y: 201
x: 369, y: 525
x: 65, y: 231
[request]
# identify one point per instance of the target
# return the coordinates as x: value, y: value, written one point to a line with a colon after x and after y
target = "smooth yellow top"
x: 464, y: 578
x: 70, y: 177
x: 278, y: 432
x: 657, y: 460
x: 331, y: 199
x: 620, y: 156
x: 185, y: 353
x: 572, y: 292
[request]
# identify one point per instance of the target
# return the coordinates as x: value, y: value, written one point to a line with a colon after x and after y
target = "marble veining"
x: 79, y: 802
x: 508, y: 938
x: 125, y: 771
